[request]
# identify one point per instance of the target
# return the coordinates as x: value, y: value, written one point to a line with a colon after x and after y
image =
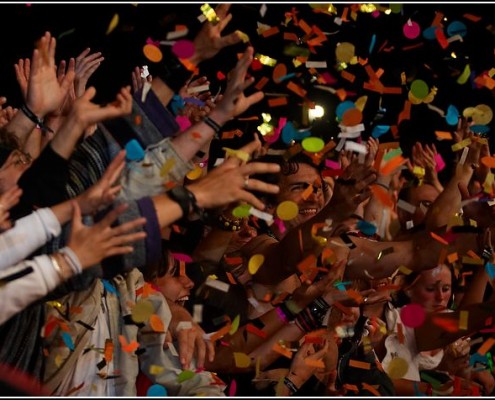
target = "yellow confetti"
x: 397, y: 368
x: 255, y: 262
x: 167, y: 167
x: 242, y: 155
x: 463, y: 319
x: 142, y: 311
x: 462, y: 79
x: 210, y: 14
x: 196, y: 173
x: 241, y: 360
x: 461, y: 144
x: 265, y: 60
x: 235, y: 325
x: 156, y: 369
x: 113, y: 24
x: 287, y: 210
x: 243, y: 36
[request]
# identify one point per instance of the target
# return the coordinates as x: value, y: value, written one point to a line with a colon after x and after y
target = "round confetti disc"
x: 412, y: 315
x: 152, y: 53
x: 313, y: 144
x: 457, y: 28
x: 241, y: 360
x: 241, y: 211
x: 183, y: 48
x: 397, y: 368
x: 452, y: 116
x: 411, y: 30
x: 344, y: 52
x: 396, y: 7
x: 482, y: 115
x: 342, y: 108
x: 419, y: 89
x: 156, y: 391
x: 279, y: 71
x: 287, y: 210
x: 429, y: 33
x: 352, y: 117
x: 142, y: 311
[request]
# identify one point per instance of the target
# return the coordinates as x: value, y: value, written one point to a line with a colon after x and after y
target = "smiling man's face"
x: 292, y: 188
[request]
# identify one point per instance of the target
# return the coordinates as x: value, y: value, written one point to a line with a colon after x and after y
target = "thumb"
x: 463, y: 190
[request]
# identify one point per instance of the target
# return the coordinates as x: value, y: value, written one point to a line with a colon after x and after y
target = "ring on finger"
x: 246, y: 182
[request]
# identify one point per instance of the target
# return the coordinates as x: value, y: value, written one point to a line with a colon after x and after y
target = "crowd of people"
x: 135, y: 265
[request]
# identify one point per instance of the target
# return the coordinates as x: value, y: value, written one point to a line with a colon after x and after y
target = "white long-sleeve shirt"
x: 16, y: 293
x: 28, y: 234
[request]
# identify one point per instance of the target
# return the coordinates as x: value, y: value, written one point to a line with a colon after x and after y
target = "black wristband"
x: 34, y: 118
x: 184, y: 198
x: 172, y: 72
x: 293, y: 388
x: 213, y: 125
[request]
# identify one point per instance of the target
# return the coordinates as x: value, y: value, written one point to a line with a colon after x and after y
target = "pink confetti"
x: 153, y: 42
x: 233, y: 388
x: 182, y: 257
x: 412, y: 315
x: 276, y: 132
x: 411, y: 29
x: 280, y: 224
x: 183, y: 122
x: 183, y: 48
x: 440, y: 162
x: 329, y: 79
x: 332, y: 164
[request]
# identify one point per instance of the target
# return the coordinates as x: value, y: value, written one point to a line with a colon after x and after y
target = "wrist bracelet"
x: 57, y: 266
x: 213, y: 125
x: 229, y: 224
x: 293, y: 388
x: 187, y: 202
x: 71, y: 259
x: 34, y: 118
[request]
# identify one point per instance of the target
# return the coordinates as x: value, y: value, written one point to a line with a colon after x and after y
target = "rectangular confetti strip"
x: 359, y: 364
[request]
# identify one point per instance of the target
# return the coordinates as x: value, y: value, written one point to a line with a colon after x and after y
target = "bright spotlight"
x: 316, y: 112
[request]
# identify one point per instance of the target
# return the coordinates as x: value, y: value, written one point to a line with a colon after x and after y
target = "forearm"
x: 448, y: 202
x: 28, y: 234
x: 67, y: 137
x: 213, y: 246
x: 21, y: 126
x: 476, y: 290
x: 32, y: 146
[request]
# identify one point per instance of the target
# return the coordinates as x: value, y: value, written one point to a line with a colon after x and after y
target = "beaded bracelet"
x: 71, y: 259
x: 229, y: 224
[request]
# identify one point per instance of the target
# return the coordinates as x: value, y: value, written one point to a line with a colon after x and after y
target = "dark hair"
x: 287, y: 167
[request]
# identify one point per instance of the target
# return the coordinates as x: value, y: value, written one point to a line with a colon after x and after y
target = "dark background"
x: 85, y: 25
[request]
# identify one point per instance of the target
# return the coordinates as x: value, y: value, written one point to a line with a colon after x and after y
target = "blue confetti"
x: 177, y: 104
x: 134, y: 151
x: 490, y: 270
x: 366, y: 227
x: 343, y: 107
x: 289, y: 133
x: 380, y: 130
x: 156, y: 391
x: 479, y: 128
x: 195, y: 101
x: 372, y: 44
x: 68, y: 341
x: 452, y: 116
x: 457, y: 28
x: 285, y: 77
x: 108, y: 286
x: 477, y: 358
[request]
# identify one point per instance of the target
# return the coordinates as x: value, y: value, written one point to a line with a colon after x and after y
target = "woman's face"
x: 433, y: 289
x: 175, y: 287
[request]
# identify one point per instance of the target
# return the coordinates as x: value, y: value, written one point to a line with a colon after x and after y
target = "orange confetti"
x: 305, y: 27
x: 152, y: 53
x: 156, y: 323
x: 486, y: 346
x: 452, y: 258
x: 341, y: 94
x: 350, y: 387
x: 393, y: 164
x: 281, y: 350
x: 262, y: 82
x: 371, y: 389
x: 471, y: 17
x: 296, y: 89
x: 128, y: 348
x: 278, y: 101
x: 343, y: 308
x: 270, y: 32
x: 439, y: 238
x: 405, y: 114
x: 348, y: 76
x: 231, y: 278
x: 382, y: 195
x: 280, y: 298
x: 442, y: 40
x: 254, y: 330
x: 196, y: 135
x: 359, y: 364
x: 472, y: 254
x: 315, y: 363
x: 438, y: 19
x: 488, y: 161
x: 220, y: 333
x: 290, y: 36
x: 279, y: 72
x: 441, y: 135
x: 400, y: 333
x: 108, y: 350
x: 308, y: 262
x: 448, y: 324
x: 233, y: 260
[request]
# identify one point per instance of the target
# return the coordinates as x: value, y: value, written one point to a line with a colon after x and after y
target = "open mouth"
x: 182, y: 300
x: 308, y: 211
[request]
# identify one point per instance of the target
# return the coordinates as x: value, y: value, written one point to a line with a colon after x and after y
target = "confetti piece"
x: 313, y: 144
x: 134, y: 151
x: 412, y: 315
x: 256, y: 331
x: 296, y: 89
x: 242, y: 360
x: 142, y: 311
x: 262, y: 82
x: 265, y: 60
x: 277, y: 102
x: 287, y: 210
x: 68, y: 341
x: 113, y: 24
x: 439, y: 238
x: 463, y: 320
x: 156, y: 390
x: 128, y: 347
x: 397, y: 368
x: 486, y: 346
x: 185, y: 376
x: 359, y: 364
x: 281, y: 350
x: 318, y: 363
x: 152, y: 53
x: 156, y: 323
x: 210, y: 14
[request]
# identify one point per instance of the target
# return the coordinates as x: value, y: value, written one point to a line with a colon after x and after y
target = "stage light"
x: 316, y: 112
